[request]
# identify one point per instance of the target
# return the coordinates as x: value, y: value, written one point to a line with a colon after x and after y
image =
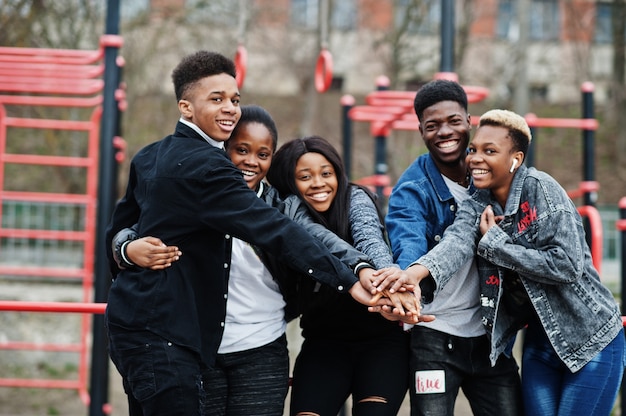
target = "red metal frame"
x: 324, y: 70
x: 55, y: 78
x: 241, y: 65
x: 388, y: 110
x: 595, y: 223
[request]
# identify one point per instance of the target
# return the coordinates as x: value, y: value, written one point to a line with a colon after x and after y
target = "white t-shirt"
x: 457, y: 306
x: 255, y: 313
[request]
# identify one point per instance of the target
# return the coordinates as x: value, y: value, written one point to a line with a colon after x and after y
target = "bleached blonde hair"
x: 509, y: 120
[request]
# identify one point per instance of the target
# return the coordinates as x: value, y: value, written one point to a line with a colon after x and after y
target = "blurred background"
x: 533, y: 56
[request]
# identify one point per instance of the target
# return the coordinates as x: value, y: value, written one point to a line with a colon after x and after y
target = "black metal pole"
x: 347, y: 102
x: 589, y: 198
x: 107, y: 195
x: 380, y: 146
x: 447, y: 36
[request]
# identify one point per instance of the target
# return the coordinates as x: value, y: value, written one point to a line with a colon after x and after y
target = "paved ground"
x: 294, y: 340
x: 31, y: 402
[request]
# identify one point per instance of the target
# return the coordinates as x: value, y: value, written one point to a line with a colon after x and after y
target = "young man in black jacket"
x: 165, y: 325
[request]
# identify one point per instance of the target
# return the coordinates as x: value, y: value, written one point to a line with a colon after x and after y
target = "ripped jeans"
x: 159, y: 377
x: 373, y: 371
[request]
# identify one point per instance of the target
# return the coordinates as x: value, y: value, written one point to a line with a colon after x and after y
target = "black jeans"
x: 374, y: 371
x: 441, y: 364
x: 251, y: 382
x: 160, y: 378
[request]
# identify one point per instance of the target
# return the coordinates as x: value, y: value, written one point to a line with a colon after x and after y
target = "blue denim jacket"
x: 542, y: 238
x: 421, y: 207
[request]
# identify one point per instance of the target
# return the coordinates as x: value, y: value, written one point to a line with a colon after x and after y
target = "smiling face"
x: 491, y: 155
x: 213, y: 105
x: 251, y: 151
x: 445, y: 130
x: 316, y: 181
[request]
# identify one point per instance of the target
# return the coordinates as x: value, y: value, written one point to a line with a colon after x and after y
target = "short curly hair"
x: 516, y: 124
x: 196, y: 66
x: 437, y: 91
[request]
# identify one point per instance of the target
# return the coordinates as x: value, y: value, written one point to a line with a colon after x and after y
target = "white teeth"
x: 319, y: 195
x: 226, y: 122
x: 248, y: 173
x: 445, y: 145
x: 479, y: 171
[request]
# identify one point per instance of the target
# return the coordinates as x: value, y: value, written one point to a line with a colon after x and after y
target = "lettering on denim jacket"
x: 487, y: 302
x: 530, y: 215
x: 493, y: 280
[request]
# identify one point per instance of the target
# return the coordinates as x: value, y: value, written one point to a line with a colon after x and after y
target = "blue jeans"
x: 159, y: 377
x: 550, y: 388
x: 462, y: 363
x: 251, y: 382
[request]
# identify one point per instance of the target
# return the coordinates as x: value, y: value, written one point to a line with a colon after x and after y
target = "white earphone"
x: 513, y: 164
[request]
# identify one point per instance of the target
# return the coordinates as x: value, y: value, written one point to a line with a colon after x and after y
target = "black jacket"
x: 289, y: 280
x: 189, y: 194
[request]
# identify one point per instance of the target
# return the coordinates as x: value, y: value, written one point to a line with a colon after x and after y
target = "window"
x: 224, y: 12
x: 305, y: 14
x: 543, y: 15
x: 507, y: 27
x: 418, y: 16
x: 544, y: 20
x: 131, y: 9
x: 343, y: 14
x: 604, y: 26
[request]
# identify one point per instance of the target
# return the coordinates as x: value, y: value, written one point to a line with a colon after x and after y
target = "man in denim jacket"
x: 564, y: 286
x: 535, y: 270
x: 451, y: 352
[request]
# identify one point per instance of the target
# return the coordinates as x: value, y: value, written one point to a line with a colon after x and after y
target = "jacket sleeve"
x: 118, y: 246
x: 294, y: 209
x: 406, y: 221
x: 368, y: 233
x: 235, y: 210
x: 552, y: 250
x: 125, y: 214
x: 456, y: 248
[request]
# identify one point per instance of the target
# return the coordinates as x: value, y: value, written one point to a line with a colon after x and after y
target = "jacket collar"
x: 443, y: 193
x: 200, y: 133
x: 515, y: 193
x: 485, y: 197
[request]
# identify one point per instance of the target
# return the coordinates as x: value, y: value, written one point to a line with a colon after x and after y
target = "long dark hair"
x: 282, y: 176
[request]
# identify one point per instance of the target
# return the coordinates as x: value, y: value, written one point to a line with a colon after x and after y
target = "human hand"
x: 404, y: 303
x: 152, y: 253
x: 388, y: 314
x: 405, y: 306
x: 366, y: 277
x: 488, y: 219
x: 394, y: 279
x: 358, y: 293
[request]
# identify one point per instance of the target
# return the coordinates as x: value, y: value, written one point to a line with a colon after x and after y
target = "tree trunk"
x: 618, y: 95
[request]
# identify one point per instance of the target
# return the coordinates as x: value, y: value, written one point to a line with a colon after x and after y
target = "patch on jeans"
x: 430, y: 381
